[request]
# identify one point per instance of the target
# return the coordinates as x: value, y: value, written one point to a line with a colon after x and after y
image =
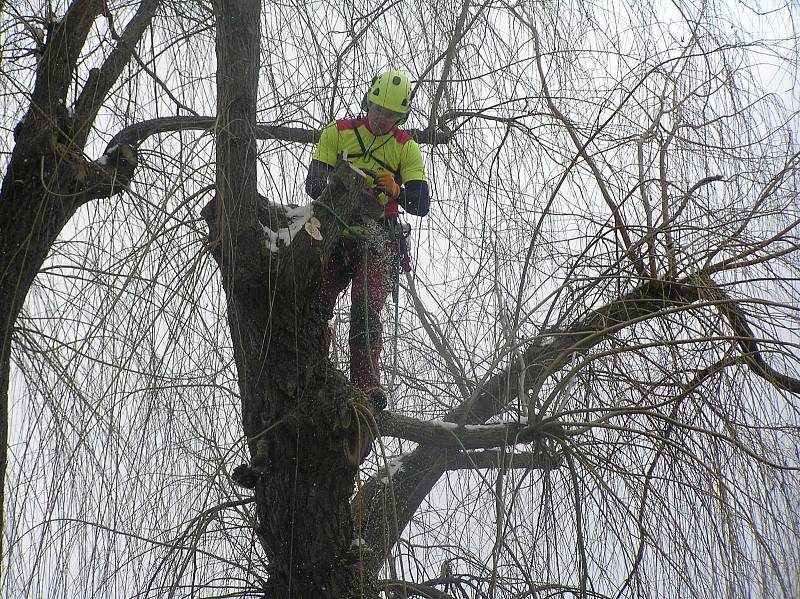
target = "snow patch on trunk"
x: 393, y: 467
x: 298, y: 217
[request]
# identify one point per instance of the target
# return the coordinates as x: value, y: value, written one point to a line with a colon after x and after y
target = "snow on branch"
x: 299, y: 218
x: 452, y: 435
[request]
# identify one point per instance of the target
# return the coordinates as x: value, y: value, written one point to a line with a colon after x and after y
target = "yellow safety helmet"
x: 391, y: 90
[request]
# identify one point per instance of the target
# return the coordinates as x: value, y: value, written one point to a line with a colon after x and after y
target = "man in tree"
x: 373, y: 248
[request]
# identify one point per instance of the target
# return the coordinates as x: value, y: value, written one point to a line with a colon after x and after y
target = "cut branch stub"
x: 335, y: 210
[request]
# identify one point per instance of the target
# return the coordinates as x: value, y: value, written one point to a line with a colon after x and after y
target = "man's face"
x: 381, y: 119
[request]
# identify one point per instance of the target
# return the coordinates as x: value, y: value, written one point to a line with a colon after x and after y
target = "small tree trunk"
x: 48, y: 176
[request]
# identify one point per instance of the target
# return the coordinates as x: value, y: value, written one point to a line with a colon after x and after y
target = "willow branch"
x: 450, y: 435
x: 412, y: 589
x: 746, y: 339
x: 495, y: 458
x: 102, y: 79
x: 138, y: 132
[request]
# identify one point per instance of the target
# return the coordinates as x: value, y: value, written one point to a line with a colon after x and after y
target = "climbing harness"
x: 368, y: 153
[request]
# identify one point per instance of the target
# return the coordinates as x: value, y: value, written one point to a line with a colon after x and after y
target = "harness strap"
x: 366, y: 153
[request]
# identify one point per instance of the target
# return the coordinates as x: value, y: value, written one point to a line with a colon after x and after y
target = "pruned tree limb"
x: 335, y: 209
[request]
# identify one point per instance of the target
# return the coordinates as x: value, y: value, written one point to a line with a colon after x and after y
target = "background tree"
x: 605, y: 285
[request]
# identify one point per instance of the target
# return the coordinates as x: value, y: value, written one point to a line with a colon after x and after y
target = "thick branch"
x: 101, y: 80
x: 109, y: 175
x: 743, y: 333
x: 412, y: 589
x: 451, y: 435
x: 29, y: 221
x: 494, y: 458
x: 548, y: 354
x: 135, y: 134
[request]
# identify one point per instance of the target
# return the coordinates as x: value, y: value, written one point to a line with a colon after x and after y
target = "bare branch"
x: 743, y: 334
x: 412, y: 589
x: 135, y: 134
x: 103, y: 78
x: 448, y: 434
x: 495, y: 458
x: 582, y: 147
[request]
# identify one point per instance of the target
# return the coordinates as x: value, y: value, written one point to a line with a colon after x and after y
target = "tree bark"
x: 301, y: 417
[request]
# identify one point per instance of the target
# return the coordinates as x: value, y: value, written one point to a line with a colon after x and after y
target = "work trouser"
x: 369, y: 265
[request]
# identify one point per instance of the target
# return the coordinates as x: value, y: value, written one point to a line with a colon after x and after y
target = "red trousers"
x: 369, y: 266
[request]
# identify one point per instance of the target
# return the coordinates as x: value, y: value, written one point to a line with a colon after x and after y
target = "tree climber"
x: 370, y: 249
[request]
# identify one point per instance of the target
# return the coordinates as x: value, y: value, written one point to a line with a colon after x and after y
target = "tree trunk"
x: 300, y: 415
x: 44, y: 185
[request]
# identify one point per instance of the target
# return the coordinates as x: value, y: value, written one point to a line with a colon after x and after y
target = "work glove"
x: 386, y: 183
x: 371, y: 206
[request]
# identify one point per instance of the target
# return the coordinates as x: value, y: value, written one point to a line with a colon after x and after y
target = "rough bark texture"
x: 301, y: 417
x: 305, y: 424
